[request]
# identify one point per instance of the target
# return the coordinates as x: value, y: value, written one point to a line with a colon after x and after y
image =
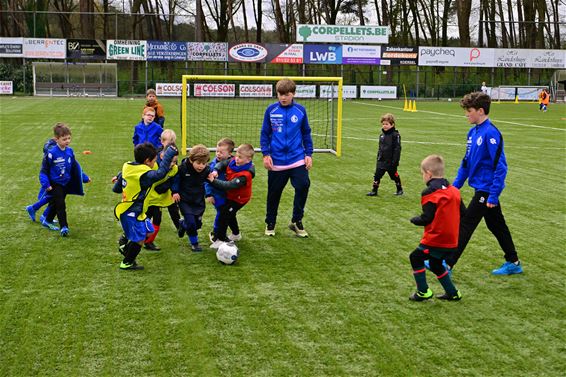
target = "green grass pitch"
x: 335, y: 304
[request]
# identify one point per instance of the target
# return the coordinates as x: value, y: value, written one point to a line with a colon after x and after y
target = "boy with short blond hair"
x: 60, y: 175
x: 239, y: 173
x: 388, y: 155
x: 188, y: 192
x: 151, y: 101
x: 160, y: 195
x: 217, y: 197
x: 441, y: 211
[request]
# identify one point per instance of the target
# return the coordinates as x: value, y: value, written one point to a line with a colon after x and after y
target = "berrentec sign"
x: 342, y: 34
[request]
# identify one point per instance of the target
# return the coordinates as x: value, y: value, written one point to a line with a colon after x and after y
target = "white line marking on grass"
x: 461, y: 116
x: 450, y: 144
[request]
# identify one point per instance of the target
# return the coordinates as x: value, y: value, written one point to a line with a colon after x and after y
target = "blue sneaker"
x: 49, y: 225
x: 31, y: 212
x: 427, y: 266
x: 42, y: 218
x: 64, y: 231
x: 508, y: 268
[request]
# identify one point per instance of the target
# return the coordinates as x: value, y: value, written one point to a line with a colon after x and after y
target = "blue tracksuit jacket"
x: 151, y: 133
x: 61, y: 167
x: 209, y: 190
x: 484, y: 164
x: 286, y: 134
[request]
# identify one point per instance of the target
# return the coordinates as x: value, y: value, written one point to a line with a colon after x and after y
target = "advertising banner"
x: 457, y: 56
x: 352, y: 54
x: 214, y: 90
x: 256, y: 90
x: 547, y: 58
x: 322, y: 54
x: 166, y: 51
x: 305, y: 91
x: 247, y: 53
x: 528, y: 94
x: 369, y: 91
x: 125, y: 50
x: 331, y: 91
x: 45, y: 48
x: 11, y: 47
x: 512, y: 58
x: 6, y: 87
x: 86, y: 49
x: 396, y: 55
x: 170, y: 89
x: 343, y: 34
x: 205, y: 51
x: 284, y: 53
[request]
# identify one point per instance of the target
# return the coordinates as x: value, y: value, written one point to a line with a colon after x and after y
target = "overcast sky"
x: 369, y: 12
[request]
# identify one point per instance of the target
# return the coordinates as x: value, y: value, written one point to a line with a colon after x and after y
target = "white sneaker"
x: 216, y: 244
x: 270, y: 230
x: 235, y: 237
x: 298, y: 229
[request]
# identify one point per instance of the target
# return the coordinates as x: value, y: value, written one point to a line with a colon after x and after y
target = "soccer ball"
x: 227, y: 253
x: 449, y: 99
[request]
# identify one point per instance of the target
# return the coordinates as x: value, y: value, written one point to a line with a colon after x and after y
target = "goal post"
x: 516, y: 93
x: 217, y: 106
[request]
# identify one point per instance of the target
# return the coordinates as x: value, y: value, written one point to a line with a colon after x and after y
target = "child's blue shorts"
x: 134, y: 229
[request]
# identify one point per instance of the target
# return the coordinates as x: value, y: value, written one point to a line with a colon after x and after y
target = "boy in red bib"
x: 240, y: 172
x: 442, y: 208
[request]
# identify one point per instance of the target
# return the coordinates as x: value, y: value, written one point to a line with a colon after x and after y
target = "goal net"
x: 215, y: 106
x: 516, y: 93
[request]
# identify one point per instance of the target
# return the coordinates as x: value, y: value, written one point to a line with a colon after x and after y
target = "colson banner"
x: 342, y: 34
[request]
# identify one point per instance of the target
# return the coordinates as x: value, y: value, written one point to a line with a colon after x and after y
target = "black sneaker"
x: 196, y: 248
x: 447, y: 297
x: 151, y: 246
x: 399, y: 192
x: 372, y: 193
x: 181, y: 231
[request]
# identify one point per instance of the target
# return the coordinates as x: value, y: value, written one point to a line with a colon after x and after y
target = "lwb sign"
x: 322, y: 54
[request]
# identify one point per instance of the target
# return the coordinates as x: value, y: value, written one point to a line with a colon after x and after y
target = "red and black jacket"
x: 442, y: 208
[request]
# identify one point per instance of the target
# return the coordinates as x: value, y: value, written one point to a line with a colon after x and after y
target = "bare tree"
x: 64, y: 9
x: 87, y: 18
x: 463, y: 11
x: 258, y: 17
x: 221, y: 12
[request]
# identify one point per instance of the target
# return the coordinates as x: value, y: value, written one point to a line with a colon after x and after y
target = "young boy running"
x: 240, y: 172
x: 485, y: 167
x: 215, y: 196
x: 60, y: 175
x: 442, y: 208
x: 43, y: 196
x: 188, y: 192
x: 137, y: 180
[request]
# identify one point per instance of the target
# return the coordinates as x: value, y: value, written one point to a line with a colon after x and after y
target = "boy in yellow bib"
x: 138, y: 178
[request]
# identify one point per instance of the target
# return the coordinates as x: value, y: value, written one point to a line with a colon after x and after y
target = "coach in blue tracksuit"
x: 286, y: 145
x: 485, y: 168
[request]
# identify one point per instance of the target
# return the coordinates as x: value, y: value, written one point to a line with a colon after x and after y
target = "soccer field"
x: 335, y: 304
